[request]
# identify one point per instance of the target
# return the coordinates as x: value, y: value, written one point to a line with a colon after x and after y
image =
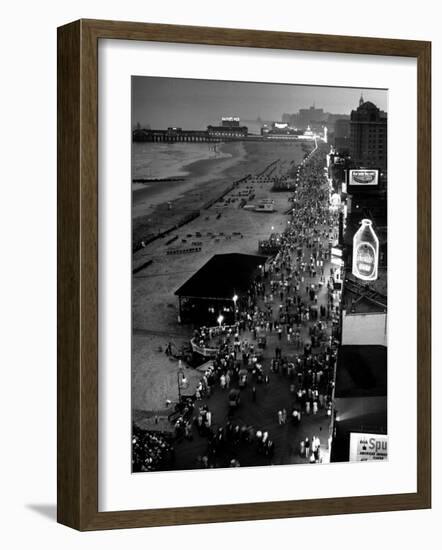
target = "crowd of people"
x: 151, y: 451
x: 293, y: 304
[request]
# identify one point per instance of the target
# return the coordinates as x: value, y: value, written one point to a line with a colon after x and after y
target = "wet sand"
x: 154, y: 305
x: 206, y: 180
x: 196, y: 173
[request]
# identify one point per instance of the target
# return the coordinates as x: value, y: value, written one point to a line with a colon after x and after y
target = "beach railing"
x: 202, y: 350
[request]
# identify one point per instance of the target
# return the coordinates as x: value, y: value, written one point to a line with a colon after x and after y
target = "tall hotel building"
x: 368, y: 137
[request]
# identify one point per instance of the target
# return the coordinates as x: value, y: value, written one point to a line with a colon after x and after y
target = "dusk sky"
x: 193, y: 104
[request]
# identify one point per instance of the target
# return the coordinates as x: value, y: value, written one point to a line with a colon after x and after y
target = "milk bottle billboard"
x: 365, y: 252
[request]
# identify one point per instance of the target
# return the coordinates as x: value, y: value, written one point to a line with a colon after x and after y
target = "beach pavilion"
x: 211, y: 296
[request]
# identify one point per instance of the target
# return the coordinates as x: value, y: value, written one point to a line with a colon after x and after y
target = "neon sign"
x: 364, y: 177
x: 365, y: 252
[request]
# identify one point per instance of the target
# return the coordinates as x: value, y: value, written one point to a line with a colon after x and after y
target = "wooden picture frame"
x: 78, y: 274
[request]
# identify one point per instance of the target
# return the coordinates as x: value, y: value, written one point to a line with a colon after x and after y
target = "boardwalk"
x: 294, y: 306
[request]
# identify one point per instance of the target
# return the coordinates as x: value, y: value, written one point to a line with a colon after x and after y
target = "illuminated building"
x: 313, y: 117
x: 230, y: 121
x: 360, y: 393
x: 230, y: 128
x: 280, y: 130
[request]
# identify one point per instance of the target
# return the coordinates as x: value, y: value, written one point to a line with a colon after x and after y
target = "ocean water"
x: 169, y: 160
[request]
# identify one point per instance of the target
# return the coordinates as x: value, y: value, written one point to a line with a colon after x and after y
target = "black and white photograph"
x: 259, y: 274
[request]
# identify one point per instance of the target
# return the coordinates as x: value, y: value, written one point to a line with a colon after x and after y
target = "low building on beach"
x: 211, y: 296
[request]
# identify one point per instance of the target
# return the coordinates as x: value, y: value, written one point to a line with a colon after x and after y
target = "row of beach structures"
x: 263, y: 205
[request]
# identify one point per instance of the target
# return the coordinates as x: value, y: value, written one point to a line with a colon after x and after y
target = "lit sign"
x: 281, y: 125
x: 335, y: 200
x: 365, y: 252
x: 363, y: 177
x: 337, y: 261
x: 336, y: 255
x: 365, y: 447
x: 230, y: 118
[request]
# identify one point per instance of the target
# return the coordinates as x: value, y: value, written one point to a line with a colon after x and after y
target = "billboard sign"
x: 337, y: 261
x: 363, y: 177
x: 336, y: 256
x: 365, y: 252
x: 365, y: 447
x: 335, y: 201
x: 230, y: 119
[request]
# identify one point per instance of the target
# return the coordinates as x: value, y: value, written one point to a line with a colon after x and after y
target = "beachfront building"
x: 213, y: 294
x: 360, y: 403
x: 368, y: 136
x: 280, y: 130
x: 230, y: 128
x: 359, y: 423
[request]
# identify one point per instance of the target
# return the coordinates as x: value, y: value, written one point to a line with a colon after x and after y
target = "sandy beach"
x: 222, y: 228
x: 193, y: 173
x: 206, y: 180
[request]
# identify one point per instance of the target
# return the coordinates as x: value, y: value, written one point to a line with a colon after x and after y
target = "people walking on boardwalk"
x: 280, y: 420
x: 283, y: 336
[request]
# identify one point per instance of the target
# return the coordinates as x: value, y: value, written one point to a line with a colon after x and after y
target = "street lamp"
x: 181, y: 382
x: 235, y: 299
x: 220, y: 320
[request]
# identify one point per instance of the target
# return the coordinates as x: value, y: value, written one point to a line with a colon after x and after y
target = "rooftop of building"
x: 361, y: 372
x: 360, y: 395
x: 223, y: 276
x: 363, y: 296
x: 368, y: 111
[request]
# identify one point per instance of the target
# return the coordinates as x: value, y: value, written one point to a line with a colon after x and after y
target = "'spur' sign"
x: 365, y: 252
x: 366, y: 447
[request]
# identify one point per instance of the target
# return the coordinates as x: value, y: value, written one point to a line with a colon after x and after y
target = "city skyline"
x: 163, y: 102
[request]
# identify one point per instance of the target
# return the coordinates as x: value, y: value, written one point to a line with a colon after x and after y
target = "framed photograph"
x: 243, y: 275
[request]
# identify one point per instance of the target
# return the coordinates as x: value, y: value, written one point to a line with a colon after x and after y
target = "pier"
x: 172, y: 135
x: 211, y: 135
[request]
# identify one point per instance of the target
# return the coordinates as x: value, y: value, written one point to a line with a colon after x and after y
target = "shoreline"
x: 157, y: 210
x: 148, y: 197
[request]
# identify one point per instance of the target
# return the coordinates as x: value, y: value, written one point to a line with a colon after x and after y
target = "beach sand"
x: 154, y: 305
x: 206, y: 172
x: 206, y: 180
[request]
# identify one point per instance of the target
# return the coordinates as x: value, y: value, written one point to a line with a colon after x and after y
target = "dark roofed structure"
x: 222, y: 276
x: 209, y: 292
